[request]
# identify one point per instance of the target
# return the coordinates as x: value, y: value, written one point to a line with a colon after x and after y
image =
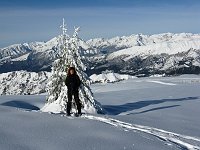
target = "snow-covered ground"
x: 158, y: 113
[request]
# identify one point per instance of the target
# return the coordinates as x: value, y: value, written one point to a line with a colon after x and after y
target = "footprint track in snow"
x: 181, y: 141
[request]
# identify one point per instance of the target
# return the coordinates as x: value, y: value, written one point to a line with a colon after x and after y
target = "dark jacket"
x: 73, y: 83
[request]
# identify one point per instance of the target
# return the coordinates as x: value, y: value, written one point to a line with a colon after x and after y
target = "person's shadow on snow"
x: 118, y: 109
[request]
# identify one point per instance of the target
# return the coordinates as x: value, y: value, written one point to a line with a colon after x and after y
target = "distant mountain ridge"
x: 139, y: 54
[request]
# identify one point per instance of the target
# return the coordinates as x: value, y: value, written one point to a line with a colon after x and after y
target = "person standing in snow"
x: 73, y: 83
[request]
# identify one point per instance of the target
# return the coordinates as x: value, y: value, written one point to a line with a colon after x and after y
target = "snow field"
x: 142, y: 113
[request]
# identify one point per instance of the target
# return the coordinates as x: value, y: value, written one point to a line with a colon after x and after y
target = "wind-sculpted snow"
x: 160, y: 82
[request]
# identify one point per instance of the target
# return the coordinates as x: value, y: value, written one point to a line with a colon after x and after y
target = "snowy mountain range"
x: 140, y: 55
x: 145, y: 55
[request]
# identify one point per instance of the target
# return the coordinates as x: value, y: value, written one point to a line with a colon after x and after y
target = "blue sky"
x: 39, y: 20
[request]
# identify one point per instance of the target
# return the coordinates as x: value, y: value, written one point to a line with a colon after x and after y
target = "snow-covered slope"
x: 142, y: 114
x: 118, y: 43
x: 14, y: 50
x: 167, y: 47
x: 23, y: 83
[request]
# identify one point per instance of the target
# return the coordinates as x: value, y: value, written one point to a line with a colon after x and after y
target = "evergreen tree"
x: 69, y: 56
x: 55, y: 84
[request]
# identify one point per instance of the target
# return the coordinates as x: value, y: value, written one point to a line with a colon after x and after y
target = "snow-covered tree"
x: 85, y: 92
x: 69, y: 56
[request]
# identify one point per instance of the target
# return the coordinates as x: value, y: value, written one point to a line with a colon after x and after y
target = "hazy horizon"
x: 28, y: 21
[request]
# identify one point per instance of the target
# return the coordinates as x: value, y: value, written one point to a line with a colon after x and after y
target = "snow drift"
x: 107, y: 77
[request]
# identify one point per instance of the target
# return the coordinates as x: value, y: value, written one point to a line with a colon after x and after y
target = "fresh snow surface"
x: 158, y: 113
x: 56, y: 108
